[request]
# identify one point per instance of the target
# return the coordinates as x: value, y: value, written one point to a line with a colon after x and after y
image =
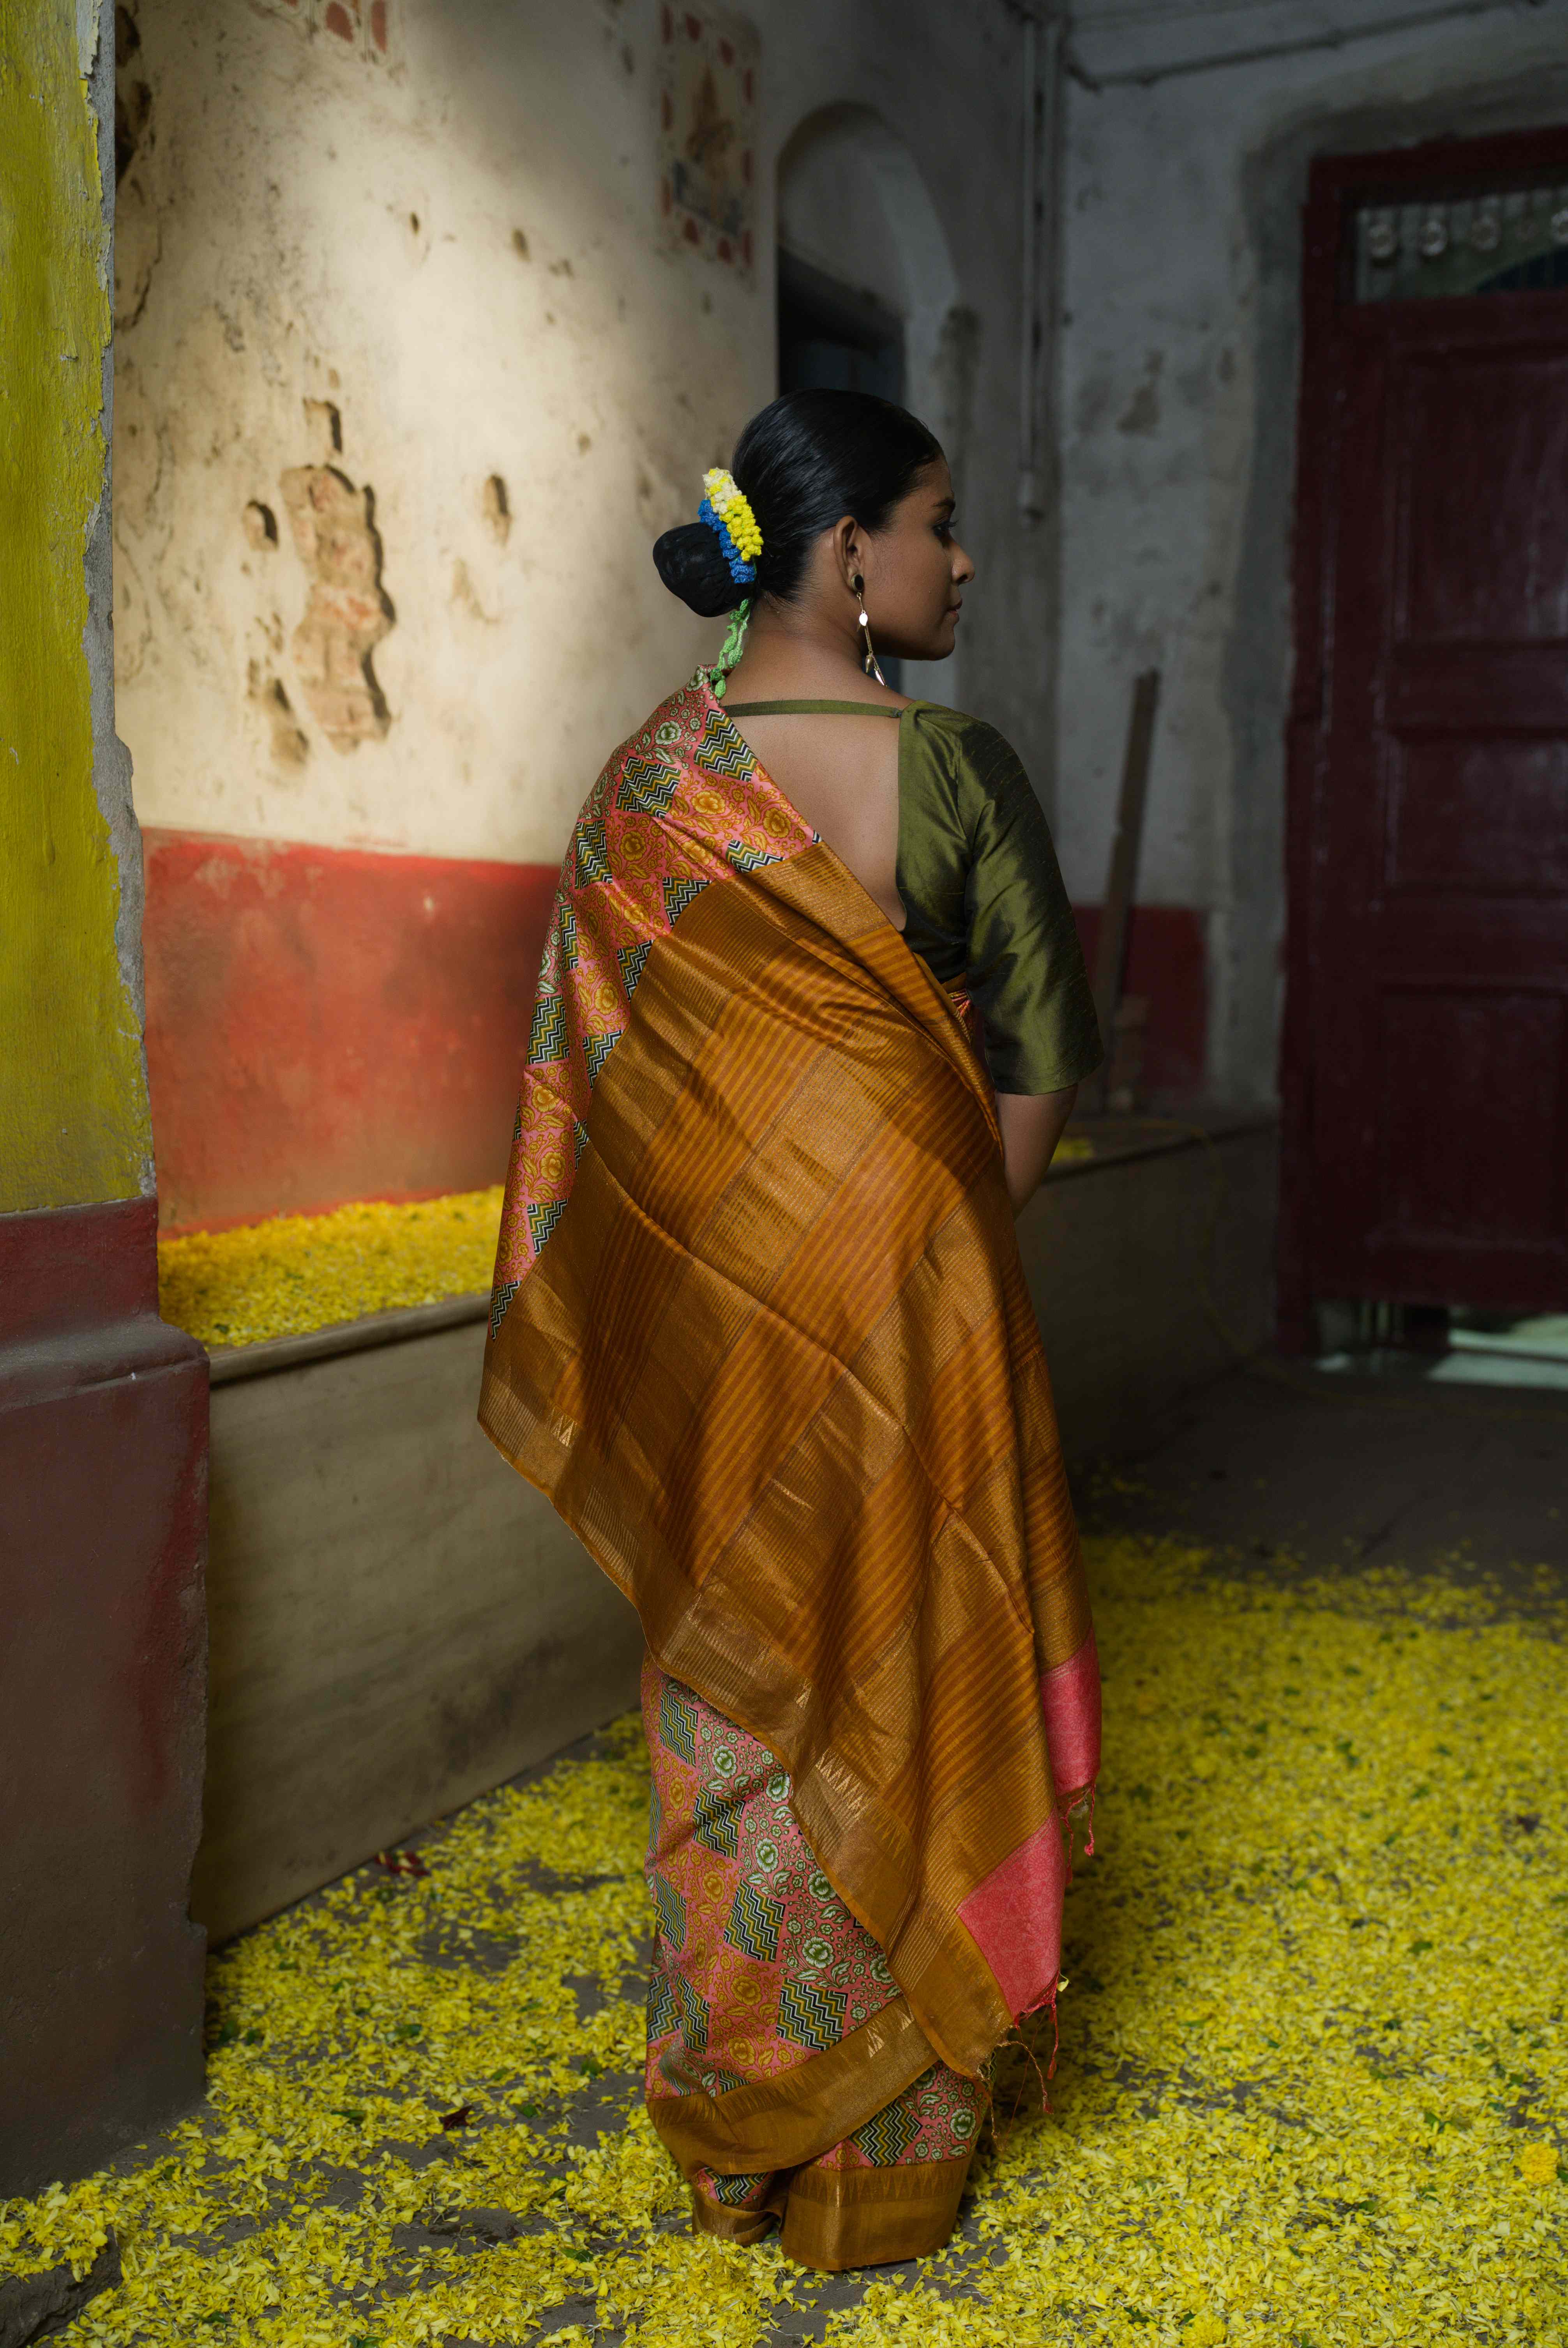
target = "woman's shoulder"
x: 681, y: 720
x: 970, y: 750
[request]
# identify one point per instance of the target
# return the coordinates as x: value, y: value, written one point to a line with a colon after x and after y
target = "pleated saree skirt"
x: 761, y: 1979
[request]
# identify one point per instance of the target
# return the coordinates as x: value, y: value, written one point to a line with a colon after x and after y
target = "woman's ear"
x: 850, y: 554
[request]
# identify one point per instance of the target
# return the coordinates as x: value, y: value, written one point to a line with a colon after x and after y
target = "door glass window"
x: 1503, y: 240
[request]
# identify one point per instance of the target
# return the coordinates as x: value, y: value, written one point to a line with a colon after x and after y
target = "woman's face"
x: 916, y: 570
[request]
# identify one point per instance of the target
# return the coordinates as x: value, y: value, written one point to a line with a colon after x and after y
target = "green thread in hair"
x: 729, y: 651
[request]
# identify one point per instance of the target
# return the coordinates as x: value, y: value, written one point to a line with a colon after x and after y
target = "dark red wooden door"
x: 1426, y: 1063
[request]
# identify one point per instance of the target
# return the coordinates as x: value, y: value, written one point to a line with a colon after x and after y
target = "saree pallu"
x: 761, y: 1334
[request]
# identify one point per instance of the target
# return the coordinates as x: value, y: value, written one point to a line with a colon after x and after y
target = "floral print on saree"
x: 759, y: 1967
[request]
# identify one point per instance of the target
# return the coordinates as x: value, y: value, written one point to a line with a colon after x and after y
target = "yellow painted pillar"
x: 73, y: 1123
x: 103, y: 1410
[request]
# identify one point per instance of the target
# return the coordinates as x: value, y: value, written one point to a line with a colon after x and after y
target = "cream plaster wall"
x: 462, y: 256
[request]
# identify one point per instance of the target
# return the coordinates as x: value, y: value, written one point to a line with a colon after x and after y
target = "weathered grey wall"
x: 1180, y: 361
x: 454, y: 265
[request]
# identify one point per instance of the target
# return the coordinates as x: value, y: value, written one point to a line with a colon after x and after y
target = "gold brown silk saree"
x: 761, y: 1334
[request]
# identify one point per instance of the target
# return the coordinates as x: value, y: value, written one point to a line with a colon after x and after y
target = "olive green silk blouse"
x: 985, y: 907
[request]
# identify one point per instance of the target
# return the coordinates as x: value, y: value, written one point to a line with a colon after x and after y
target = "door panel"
x: 1484, y: 816
x: 1489, y: 1176
x: 1427, y: 685
x: 1481, y: 442
x: 1426, y: 1068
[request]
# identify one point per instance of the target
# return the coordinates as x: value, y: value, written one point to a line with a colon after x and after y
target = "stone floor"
x: 1277, y: 1463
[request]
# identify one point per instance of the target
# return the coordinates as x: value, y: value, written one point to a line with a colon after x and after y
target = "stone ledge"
x: 1119, y: 1140
x: 394, y: 1328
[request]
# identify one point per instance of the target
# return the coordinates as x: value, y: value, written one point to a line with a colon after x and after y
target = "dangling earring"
x: 869, y: 660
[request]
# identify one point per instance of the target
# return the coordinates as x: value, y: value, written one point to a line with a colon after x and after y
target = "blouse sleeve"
x: 1026, y: 971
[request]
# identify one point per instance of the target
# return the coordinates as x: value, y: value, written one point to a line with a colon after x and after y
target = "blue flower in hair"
x: 726, y: 509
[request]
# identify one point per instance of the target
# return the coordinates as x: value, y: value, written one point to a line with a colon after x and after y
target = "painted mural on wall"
x: 366, y: 26
x: 708, y: 98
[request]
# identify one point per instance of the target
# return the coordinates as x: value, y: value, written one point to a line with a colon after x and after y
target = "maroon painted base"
x: 1167, y: 964
x: 103, y: 1538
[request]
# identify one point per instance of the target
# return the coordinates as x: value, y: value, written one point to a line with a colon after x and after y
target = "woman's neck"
x: 793, y: 655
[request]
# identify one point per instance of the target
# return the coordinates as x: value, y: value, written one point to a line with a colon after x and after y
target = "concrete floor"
x: 1292, y: 1468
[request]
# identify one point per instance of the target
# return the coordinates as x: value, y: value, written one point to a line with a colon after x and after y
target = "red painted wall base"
x: 327, y: 1024
x: 1167, y: 963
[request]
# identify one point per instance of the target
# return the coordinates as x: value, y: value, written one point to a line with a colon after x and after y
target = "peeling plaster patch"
x: 466, y: 600
x: 519, y: 245
x: 291, y: 744
x: 348, y: 613
x: 324, y: 425
x: 1142, y: 413
x: 412, y: 214
x: 138, y: 245
x: 139, y: 237
x: 261, y: 525
x: 133, y: 99
x: 138, y: 453
x: 497, y: 509
x: 367, y: 28
x: 132, y: 617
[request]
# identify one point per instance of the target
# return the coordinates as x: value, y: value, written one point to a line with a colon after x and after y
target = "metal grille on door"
x: 1500, y: 240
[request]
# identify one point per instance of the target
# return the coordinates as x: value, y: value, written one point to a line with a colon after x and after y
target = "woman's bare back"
x: 841, y: 772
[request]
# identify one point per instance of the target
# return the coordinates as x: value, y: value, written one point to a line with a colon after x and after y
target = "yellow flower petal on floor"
x: 298, y: 1272
x: 1314, y: 2061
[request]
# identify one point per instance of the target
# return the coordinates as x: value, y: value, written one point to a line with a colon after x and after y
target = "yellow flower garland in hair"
x: 727, y: 508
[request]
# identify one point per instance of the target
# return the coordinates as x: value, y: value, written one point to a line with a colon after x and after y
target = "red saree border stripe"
x: 1069, y: 1700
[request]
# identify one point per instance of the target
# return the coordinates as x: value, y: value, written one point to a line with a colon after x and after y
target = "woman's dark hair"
x: 807, y: 460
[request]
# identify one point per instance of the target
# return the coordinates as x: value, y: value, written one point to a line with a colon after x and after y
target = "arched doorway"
x: 868, y: 292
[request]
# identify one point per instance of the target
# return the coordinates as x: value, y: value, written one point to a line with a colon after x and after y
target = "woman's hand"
x: 1031, y: 1126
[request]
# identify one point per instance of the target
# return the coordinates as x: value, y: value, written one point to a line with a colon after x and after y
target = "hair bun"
x: 690, y: 562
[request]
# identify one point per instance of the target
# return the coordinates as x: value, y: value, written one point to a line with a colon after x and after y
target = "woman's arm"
x: 1032, y: 1127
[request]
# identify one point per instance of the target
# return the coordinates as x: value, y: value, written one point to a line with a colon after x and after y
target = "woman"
x: 761, y: 1334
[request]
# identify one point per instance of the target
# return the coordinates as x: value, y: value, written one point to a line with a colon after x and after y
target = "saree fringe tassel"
x: 761, y: 1334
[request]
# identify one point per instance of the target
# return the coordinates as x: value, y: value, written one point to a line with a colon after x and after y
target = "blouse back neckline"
x: 813, y: 709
